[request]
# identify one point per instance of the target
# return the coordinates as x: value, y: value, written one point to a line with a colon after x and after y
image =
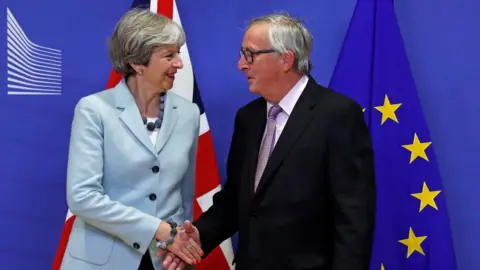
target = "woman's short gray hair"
x: 286, y: 33
x: 138, y: 33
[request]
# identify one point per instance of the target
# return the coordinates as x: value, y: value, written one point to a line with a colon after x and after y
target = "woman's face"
x: 163, y: 64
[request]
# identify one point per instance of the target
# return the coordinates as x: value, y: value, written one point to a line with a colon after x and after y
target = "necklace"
x: 151, y: 126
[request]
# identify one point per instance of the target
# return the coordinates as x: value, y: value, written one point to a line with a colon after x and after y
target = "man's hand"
x: 192, y: 232
x: 173, y: 262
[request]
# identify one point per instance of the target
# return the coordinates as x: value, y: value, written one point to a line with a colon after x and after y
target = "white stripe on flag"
x: 183, y: 84
x: 204, y: 127
x: 69, y: 214
x: 153, y: 6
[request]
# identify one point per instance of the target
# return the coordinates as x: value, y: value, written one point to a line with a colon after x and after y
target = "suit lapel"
x: 297, y: 122
x: 169, y: 121
x: 130, y: 115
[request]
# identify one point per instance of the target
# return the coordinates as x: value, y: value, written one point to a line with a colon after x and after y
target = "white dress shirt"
x: 287, y: 104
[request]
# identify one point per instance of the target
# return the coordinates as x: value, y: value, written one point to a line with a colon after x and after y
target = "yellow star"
x: 363, y: 110
x: 417, y: 148
x: 413, y: 243
x: 382, y: 267
x: 427, y: 197
x: 388, y: 110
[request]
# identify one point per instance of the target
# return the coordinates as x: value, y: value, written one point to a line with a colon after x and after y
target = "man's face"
x: 265, y: 68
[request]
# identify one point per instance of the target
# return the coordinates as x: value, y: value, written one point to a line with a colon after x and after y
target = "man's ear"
x: 287, y: 58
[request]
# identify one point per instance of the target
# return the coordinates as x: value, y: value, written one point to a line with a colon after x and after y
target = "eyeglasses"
x: 248, y: 54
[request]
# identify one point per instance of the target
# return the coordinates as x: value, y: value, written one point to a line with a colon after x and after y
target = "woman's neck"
x: 146, y: 96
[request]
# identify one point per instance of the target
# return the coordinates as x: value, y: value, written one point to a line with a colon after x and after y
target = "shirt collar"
x: 290, y: 99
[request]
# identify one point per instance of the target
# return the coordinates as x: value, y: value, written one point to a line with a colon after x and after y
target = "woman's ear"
x: 138, y: 68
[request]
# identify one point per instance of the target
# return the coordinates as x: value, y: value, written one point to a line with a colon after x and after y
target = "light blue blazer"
x: 113, y: 185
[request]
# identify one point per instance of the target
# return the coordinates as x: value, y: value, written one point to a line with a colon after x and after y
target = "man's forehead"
x: 257, y: 31
x: 255, y: 37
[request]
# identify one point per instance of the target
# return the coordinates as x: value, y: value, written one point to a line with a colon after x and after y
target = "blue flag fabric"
x: 412, y: 225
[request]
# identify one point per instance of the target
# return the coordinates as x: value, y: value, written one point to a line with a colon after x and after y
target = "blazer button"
x: 253, y: 216
x: 152, y: 197
x: 136, y: 245
x: 155, y: 169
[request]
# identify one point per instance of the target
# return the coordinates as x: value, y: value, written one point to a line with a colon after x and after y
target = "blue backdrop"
x: 442, y: 43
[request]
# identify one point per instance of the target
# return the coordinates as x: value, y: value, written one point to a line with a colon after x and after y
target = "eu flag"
x: 412, y: 225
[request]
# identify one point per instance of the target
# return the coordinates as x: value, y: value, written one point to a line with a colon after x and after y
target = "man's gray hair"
x: 286, y: 33
x: 138, y: 33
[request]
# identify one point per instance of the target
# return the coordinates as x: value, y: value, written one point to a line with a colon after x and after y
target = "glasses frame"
x: 249, y: 58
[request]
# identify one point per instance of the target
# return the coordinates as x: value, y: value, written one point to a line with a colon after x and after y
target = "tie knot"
x: 274, y: 111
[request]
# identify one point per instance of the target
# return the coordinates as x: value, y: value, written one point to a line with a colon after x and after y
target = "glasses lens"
x: 247, y: 55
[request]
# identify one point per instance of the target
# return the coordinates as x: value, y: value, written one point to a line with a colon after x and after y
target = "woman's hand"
x: 163, y: 231
x: 185, y: 247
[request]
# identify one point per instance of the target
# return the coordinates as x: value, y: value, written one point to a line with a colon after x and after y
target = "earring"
x: 140, y: 72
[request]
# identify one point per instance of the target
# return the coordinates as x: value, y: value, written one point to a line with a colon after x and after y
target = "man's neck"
x: 283, y: 86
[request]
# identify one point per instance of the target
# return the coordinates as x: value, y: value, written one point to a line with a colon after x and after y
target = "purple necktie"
x: 268, y: 143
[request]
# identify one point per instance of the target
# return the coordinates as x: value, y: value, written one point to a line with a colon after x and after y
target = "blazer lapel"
x: 297, y: 122
x: 130, y: 115
x: 169, y: 121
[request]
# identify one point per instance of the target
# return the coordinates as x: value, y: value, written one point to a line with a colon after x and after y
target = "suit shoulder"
x: 337, y: 101
x: 103, y: 96
x: 89, y: 103
x: 89, y: 110
x: 252, y: 105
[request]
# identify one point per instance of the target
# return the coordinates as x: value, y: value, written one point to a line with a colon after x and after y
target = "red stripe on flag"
x: 165, y: 7
x: 114, y: 79
x: 215, y: 261
x: 67, y: 228
x: 207, y: 177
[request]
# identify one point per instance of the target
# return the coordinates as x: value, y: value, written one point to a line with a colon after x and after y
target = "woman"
x: 132, y: 155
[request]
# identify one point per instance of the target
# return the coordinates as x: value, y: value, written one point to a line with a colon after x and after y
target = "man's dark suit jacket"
x: 315, y: 205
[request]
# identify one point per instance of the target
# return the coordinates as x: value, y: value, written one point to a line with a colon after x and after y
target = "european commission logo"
x: 32, y: 69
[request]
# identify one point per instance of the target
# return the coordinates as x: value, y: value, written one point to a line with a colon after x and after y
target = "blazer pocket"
x: 91, y: 245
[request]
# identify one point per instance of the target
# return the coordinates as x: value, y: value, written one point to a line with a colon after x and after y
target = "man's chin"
x: 253, y: 90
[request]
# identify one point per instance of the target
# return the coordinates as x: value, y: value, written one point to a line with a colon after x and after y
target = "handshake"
x: 183, y: 246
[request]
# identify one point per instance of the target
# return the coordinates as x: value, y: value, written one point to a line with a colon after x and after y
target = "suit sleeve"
x: 85, y: 195
x: 188, y: 184
x: 352, y: 183
x: 220, y: 221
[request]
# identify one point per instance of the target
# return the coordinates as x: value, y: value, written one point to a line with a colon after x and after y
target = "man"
x: 310, y: 204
